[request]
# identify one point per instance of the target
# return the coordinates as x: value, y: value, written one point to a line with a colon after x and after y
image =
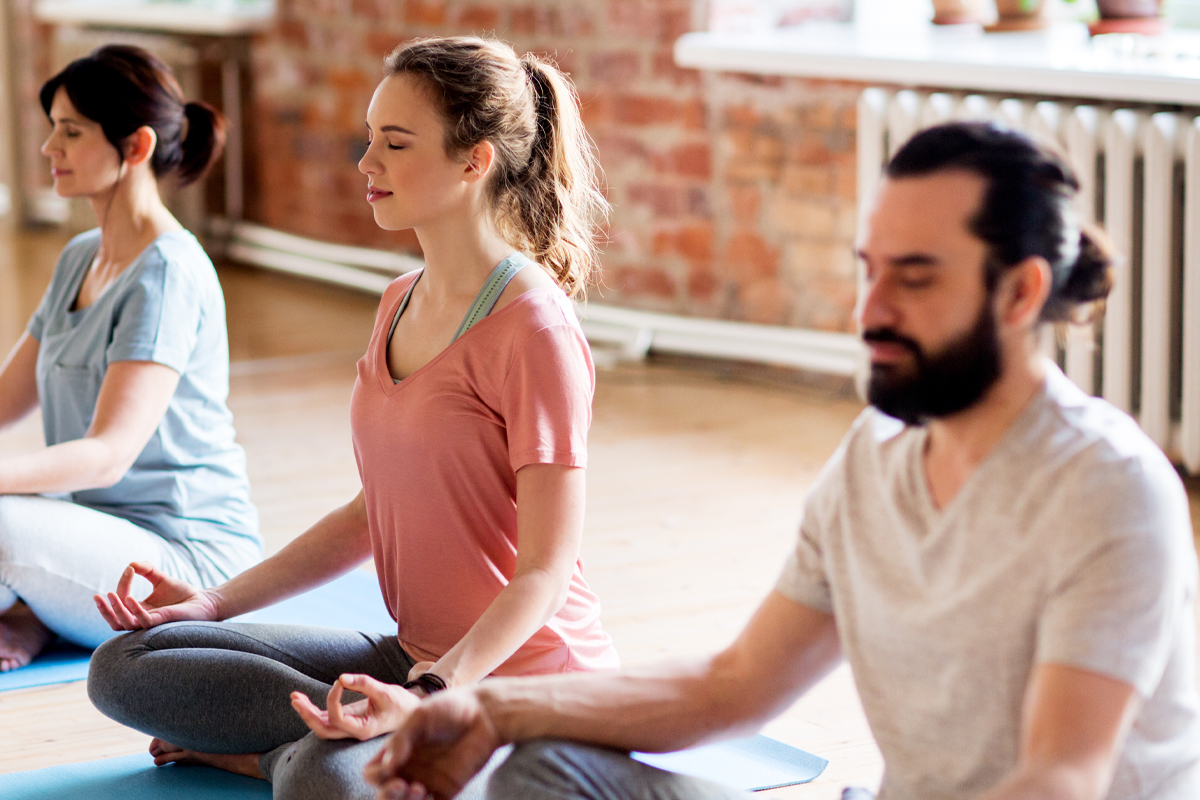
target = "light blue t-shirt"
x: 189, y: 484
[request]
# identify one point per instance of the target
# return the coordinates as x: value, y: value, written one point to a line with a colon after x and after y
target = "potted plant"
x: 1019, y: 15
x: 1129, y: 16
x: 958, y: 12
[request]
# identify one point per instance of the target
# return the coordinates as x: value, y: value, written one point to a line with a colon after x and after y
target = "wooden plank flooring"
x: 695, y: 486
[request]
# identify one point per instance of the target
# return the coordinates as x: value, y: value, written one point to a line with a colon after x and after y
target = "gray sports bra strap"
x: 403, y: 305
x: 493, y: 287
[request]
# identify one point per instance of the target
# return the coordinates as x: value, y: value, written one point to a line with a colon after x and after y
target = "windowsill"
x: 211, y: 18
x: 1059, y: 61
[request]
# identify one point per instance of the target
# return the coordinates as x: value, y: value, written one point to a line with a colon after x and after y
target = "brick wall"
x: 733, y: 196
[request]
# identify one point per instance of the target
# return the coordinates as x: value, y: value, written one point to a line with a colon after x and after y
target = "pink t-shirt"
x: 438, y: 455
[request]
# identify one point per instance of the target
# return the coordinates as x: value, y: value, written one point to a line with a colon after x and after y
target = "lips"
x: 887, y: 352
x: 58, y: 172
x: 374, y: 194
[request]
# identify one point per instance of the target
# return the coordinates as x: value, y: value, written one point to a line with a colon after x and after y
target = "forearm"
x: 518, y: 612
x: 784, y: 650
x: 1050, y: 782
x: 658, y: 708
x: 73, y: 466
x: 18, y: 385
x: 339, y: 542
x: 14, y: 409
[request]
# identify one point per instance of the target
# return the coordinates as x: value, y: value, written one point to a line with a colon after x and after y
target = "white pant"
x: 54, y: 555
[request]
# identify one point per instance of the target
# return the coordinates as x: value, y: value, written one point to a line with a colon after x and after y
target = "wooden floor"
x: 695, y: 487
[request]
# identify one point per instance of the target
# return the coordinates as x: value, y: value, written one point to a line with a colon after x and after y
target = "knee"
x: 315, y: 768
x: 10, y: 525
x: 109, y: 682
x: 534, y: 770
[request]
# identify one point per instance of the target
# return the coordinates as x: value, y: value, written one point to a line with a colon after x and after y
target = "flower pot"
x: 1129, y: 16
x: 1019, y: 15
x: 958, y: 12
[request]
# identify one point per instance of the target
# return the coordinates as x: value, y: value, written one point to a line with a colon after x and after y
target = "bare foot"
x: 22, y: 637
x: 241, y: 763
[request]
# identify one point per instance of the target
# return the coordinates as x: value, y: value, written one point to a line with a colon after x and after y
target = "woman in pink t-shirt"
x: 469, y: 418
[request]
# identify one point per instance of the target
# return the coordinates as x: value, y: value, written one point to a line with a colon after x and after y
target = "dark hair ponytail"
x: 124, y: 88
x: 1090, y: 278
x: 203, y: 142
x: 1026, y: 209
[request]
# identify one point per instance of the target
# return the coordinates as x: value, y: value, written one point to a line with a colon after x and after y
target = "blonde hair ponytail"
x: 544, y: 192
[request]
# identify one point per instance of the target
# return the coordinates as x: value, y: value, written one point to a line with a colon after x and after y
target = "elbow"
x: 553, y: 586
x: 110, y: 476
x: 111, y: 467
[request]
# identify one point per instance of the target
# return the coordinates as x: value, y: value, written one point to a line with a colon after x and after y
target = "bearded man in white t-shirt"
x: 1006, y: 563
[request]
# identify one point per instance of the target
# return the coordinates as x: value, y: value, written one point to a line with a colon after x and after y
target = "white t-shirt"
x: 1070, y: 544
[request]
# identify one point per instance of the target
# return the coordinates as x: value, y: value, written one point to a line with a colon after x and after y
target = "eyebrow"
x: 392, y: 129
x: 914, y: 260
x: 71, y: 120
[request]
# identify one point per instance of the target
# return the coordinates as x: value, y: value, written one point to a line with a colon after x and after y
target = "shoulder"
x: 1103, y: 478
x: 870, y: 453
x: 392, y: 294
x: 176, y: 257
x: 78, y: 252
x: 81, y: 243
x: 1088, y: 439
x: 544, y: 307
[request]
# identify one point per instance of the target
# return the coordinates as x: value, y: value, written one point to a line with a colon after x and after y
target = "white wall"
x: 7, y: 120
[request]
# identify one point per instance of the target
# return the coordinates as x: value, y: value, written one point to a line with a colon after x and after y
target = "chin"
x: 391, y: 222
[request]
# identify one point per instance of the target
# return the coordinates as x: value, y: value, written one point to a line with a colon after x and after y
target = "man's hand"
x: 440, y: 746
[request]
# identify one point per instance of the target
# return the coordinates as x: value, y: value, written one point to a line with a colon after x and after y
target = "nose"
x: 875, y: 308
x: 369, y: 164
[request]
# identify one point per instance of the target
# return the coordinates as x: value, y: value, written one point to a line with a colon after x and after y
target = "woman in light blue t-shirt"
x: 128, y: 360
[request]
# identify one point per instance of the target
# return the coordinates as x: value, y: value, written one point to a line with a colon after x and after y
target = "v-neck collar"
x: 378, y: 354
x: 130, y: 268
x: 934, y: 517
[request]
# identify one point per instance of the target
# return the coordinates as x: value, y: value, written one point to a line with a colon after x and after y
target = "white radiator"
x: 1140, y: 175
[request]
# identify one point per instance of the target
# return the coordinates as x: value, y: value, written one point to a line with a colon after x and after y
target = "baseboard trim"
x: 635, y: 332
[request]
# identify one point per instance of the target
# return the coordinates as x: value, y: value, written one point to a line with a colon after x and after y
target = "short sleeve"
x: 37, y: 323
x: 159, y: 319
x: 1116, y: 603
x: 804, y: 579
x: 547, y: 399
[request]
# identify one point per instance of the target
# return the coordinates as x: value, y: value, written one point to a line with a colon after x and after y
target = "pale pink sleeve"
x: 547, y: 401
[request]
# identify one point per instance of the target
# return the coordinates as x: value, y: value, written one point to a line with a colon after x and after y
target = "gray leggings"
x: 223, y: 687
x: 554, y: 770
x: 545, y: 769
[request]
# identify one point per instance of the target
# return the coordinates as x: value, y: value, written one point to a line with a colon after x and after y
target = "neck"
x: 958, y: 444
x: 460, y: 251
x: 131, y: 215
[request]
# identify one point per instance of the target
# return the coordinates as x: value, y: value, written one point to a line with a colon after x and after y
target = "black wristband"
x: 428, y: 682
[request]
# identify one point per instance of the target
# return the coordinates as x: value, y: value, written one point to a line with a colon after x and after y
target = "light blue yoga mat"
x: 352, y: 601
x: 130, y: 778
x: 751, y: 764
x: 754, y: 764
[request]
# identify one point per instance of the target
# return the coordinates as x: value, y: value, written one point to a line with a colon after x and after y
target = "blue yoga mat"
x: 754, y: 764
x: 131, y: 778
x: 352, y: 601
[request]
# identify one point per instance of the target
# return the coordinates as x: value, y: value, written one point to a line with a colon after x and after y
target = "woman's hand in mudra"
x: 170, y: 601
x: 381, y: 711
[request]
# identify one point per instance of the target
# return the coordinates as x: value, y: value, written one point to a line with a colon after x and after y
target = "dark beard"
x: 940, y: 384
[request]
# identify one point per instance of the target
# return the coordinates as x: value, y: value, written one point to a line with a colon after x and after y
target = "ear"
x: 1023, y: 291
x: 480, y: 159
x: 139, y: 145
